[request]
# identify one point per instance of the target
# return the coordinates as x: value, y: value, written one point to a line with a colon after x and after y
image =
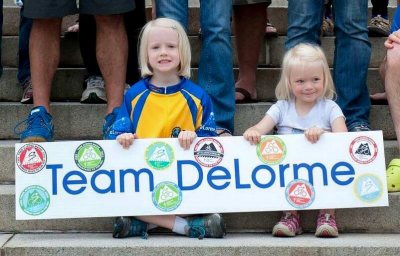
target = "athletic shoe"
x: 39, y: 126
x: 379, y: 26
x: 288, y: 226
x: 27, y: 95
x: 108, y: 125
x: 327, y: 27
x: 128, y: 227
x: 326, y: 226
x: 212, y: 226
x: 94, y: 92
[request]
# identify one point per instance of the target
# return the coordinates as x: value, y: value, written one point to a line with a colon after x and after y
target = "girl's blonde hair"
x: 183, y: 46
x: 303, y: 55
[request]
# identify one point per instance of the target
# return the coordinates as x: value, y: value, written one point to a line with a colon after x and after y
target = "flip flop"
x: 246, y: 96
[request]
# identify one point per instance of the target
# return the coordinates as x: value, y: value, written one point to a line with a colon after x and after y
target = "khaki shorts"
x: 41, y: 9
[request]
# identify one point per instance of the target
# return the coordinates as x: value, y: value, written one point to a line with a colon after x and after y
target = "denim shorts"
x: 42, y: 9
x: 244, y: 2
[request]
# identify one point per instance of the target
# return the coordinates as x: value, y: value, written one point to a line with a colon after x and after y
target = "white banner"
x: 222, y: 174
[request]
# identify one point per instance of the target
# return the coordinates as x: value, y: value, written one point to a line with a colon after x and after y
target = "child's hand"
x: 312, y: 134
x: 393, y: 38
x: 252, y: 135
x: 186, y: 138
x: 126, y: 139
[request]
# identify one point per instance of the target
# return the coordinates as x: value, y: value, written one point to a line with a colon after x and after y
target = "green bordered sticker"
x: 167, y: 196
x: 159, y: 155
x: 89, y: 156
x: 271, y: 150
x: 34, y: 200
x: 368, y: 188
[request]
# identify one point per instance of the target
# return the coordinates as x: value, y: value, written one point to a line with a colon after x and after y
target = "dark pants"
x: 24, y: 67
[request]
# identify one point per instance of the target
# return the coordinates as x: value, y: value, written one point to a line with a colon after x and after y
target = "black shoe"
x: 361, y: 128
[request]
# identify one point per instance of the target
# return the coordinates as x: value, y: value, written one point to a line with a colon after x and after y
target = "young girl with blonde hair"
x: 304, y: 92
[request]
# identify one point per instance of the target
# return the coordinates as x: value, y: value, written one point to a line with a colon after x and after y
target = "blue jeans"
x: 215, y: 69
x: 352, y: 50
x: 24, y: 67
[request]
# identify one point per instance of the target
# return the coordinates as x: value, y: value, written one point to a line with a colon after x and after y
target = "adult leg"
x: 350, y: 74
x: 392, y: 87
x: 379, y: 7
x: 112, y: 51
x: 215, y: 69
x: 248, y: 44
x: 24, y: 70
x: 87, y: 44
x: 44, y: 53
x: 174, y: 9
x: 304, y: 22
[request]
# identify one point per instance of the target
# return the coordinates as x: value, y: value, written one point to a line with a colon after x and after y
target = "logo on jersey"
x: 31, y: 158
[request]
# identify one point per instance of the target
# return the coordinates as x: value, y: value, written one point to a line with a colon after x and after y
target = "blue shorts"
x: 45, y: 9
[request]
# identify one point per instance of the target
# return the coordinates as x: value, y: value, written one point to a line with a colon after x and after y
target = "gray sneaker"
x: 94, y: 92
x: 27, y: 95
x: 211, y: 225
x: 379, y: 26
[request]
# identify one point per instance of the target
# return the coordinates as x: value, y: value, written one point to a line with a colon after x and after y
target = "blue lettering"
x: 282, y: 169
x: 135, y: 174
x: 111, y: 176
x: 199, y: 171
x: 335, y: 172
x: 263, y: 167
x: 237, y: 176
x: 54, y: 168
x: 310, y: 168
x: 225, y: 176
x: 81, y: 181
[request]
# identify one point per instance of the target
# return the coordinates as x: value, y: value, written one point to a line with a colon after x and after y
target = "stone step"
x: 360, y: 220
x: 74, y: 121
x: 7, y: 153
x: 68, y: 83
x: 270, y: 55
x: 232, y: 244
x: 275, y: 14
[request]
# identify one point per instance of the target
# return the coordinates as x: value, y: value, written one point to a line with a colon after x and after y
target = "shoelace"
x: 95, y: 82
x: 29, y: 123
x: 197, y: 231
x: 290, y: 220
x: 326, y: 219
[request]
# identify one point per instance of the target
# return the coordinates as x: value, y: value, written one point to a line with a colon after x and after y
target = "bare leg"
x: 112, y: 52
x: 165, y: 221
x: 392, y: 87
x: 249, y: 39
x: 382, y: 73
x: 44, y: 54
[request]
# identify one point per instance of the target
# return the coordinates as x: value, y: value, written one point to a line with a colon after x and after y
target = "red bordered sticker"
x: 31, y: 158
x: 300, y: 193
x: 208, y: 152
x: 363, y: 150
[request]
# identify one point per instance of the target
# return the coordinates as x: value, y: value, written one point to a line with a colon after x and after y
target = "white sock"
x: 179, y: 225
x: 151, y: 226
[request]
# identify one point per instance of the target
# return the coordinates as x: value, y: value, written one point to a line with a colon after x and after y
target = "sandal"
x: 223, y: 133
x: 393, y: 175
x: 246, y: 96
x: 270, y: 30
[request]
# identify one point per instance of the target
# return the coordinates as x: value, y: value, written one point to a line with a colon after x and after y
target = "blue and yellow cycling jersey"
x: 162, y: 112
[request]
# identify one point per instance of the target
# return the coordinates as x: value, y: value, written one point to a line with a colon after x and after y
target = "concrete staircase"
x: 367, y: 231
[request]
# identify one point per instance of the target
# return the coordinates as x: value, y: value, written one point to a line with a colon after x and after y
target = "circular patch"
x: 34, y: 200
x: 363, y: 150
x: 300, y: 193
x: 271, y: 150
x: 89, y: 156
x: 31, y: 158
x: 208, y: 152
x: 167, y: 196
x: 368, y: 188
x: 159, y: 155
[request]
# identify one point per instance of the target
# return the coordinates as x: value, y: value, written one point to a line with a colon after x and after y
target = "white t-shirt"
x: 287, y: 121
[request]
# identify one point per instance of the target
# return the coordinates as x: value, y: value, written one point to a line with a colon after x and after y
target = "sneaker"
x: 288, y: 226
x: 326, y: 226
x: 108, y: 123
x: 212, y: 226
x: 39, y: 126
x: 379, y: 26
x: 27, y: 95
x: 128, y: 227
x: 327, y: 28
x: 360, y: 128
x: 94, y: 92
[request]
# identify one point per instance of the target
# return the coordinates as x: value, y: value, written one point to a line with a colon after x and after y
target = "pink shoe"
x: 326, y: 226
x: 288, y: 226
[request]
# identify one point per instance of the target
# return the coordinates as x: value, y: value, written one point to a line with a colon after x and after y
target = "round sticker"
x: 271, y: 150
x: 363, y: 150
x: 208, y: 152
x: 31, y: 158
x: 34, y: 200
x: 89, y: 156
x: 368, y: 188
x: 167, y: 196
x: 159, y: 155
x: 300, y: 193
